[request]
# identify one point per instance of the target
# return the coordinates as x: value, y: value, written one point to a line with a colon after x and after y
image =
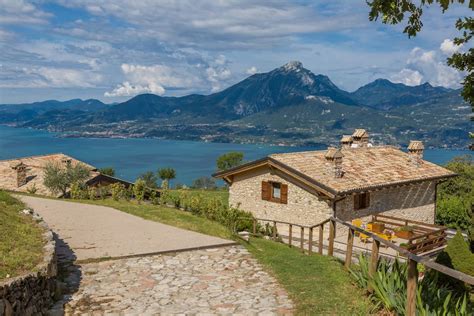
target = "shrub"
x: 118, y: 191
x: 78, y: 191
x: 91, y: 193
x: 103, y: 192
x: 32, y: 190
x: 108, y: 171
x: 150, y: 179
x: 461, y: 257
x: 390, y: 292
x: 139, y: 190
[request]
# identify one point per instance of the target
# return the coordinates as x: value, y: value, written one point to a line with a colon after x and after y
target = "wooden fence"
x: 412, y: 259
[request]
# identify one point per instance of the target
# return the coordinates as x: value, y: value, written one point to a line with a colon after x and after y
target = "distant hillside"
x: 384, y: 94
x: 288, y: 105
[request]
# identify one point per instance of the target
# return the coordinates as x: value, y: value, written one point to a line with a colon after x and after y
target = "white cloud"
x: 448, y: 47
x: 150, y: 79
x: 252, y: 70
x: 21, y: 12
x: 429, y: 66
x: 408, y: 76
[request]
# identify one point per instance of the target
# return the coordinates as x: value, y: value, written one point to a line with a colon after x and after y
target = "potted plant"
x: 404, y: 232
x: 377, y: 227
x: 404, y: 246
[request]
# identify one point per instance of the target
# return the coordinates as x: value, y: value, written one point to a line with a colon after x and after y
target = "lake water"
x: 131, y: 157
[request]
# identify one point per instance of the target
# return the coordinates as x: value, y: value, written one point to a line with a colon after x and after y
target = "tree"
x: 229, y: 160
x: 59, y: 178
x: 108, y: 171
x: 166, y: 174
x: 205, y: 183
x: 394, y: 11
x: 150, y: 179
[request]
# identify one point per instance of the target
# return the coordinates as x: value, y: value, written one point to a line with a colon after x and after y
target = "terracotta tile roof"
x: 416, y: 145
x: 35, y: 172
x: 364, y: 167
x: 346, y: 139
x: 359, y: 133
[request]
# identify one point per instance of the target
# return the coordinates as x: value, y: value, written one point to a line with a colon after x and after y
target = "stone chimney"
x: 334, y: 158
x: 346, y: 141
x: 360, y: 138
x: 415, y: 150
x: 20, y: 174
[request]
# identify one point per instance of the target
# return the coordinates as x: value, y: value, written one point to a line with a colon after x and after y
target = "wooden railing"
x: 302, y: 228
x: 412, y: 259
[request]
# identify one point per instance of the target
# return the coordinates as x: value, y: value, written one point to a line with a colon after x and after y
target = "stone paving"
x: 225, y: 280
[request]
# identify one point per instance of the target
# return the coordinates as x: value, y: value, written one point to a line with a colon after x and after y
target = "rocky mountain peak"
x: 292, y: 66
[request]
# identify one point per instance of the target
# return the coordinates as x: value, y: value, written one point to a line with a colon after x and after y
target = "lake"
x: 131, y: 157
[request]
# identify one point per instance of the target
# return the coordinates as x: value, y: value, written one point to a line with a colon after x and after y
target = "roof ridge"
x: 36, y: 156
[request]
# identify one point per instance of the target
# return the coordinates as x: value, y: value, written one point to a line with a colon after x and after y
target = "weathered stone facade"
x: 415, y: 202
x: 33, y: 293
x: 303, y: 207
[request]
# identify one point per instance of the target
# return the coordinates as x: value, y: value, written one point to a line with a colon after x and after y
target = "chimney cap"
x: 346, y: 139
x: 360, y: 133
x: 416, y: 145
x: 333, y: 153
x: 19, y: 165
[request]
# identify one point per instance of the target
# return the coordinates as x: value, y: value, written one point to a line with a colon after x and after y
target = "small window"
x: 361, y: 201
x: 276, y: 190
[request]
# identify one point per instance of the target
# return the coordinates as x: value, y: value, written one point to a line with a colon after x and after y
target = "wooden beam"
x: 254, y: 226
x: 274, y: 230
x: 310, y: 241
x: 290, y: 237
x: 302, y: 239
x: 332, y: 235
x: 320, y: 245
x: 411, y: 288
x: 374, y: 257
x: 350, y: 242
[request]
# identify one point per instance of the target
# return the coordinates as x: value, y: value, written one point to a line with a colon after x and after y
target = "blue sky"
x: 114, y: 49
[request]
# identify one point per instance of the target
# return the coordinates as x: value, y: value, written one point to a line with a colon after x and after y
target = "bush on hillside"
x: 139, y: 190
x: 460, y: 256
x: 117, y: 190
x: 456, y: 196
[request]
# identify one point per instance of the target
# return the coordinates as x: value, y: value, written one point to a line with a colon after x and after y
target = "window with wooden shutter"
x: 284, y: 194
x: 361, y: 201
x: 266, y: 190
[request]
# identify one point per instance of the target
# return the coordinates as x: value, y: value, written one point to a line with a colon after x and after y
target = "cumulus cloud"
x: 430, y: 66
x: 252, y: 70
x: 149, y: 79
x: 448, y: 47
x: 21, y: 12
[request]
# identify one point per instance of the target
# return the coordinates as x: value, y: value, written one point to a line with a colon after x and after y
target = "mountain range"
x: 289, y: 105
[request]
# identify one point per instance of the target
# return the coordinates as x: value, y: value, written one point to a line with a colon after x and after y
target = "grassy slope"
x: 21, y: 241
x: 317, y: 284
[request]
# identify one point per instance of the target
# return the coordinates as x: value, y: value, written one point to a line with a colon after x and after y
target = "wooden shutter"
x: 356, y: 202
x: 367, y: 199
x: 266, y: 190
x: 284, y: 194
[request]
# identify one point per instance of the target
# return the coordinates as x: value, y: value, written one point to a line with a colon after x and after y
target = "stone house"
x: 355, y: 181
x: 24, y: 174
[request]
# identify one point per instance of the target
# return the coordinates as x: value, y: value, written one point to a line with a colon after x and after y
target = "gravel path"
x: 93, y: 231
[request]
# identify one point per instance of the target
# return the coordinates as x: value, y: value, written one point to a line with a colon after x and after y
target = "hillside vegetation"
x: 21, y: 240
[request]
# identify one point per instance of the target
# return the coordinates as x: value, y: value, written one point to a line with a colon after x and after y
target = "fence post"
x: 411, y: 287
x: 374, y: 258
x: 332, y: 233
x: 290, y: 237
x: 255, y: 226
x: 310, y: 245
x: 350, y: 242
x: 320, y: 246
x: 274, y: 230
x: 302, y: 239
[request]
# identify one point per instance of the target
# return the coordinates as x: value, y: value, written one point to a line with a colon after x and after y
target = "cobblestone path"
x: 226, y: 280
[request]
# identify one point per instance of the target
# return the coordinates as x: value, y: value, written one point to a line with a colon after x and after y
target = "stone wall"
x: 303, y: 207
x: 415, y: 202
x: 32, y: 293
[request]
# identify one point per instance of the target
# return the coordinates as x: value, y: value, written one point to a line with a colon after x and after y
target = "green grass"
x: 21, y: 240
x: 317, y: 284
x: 221, y: 194
x: 166, y: 215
